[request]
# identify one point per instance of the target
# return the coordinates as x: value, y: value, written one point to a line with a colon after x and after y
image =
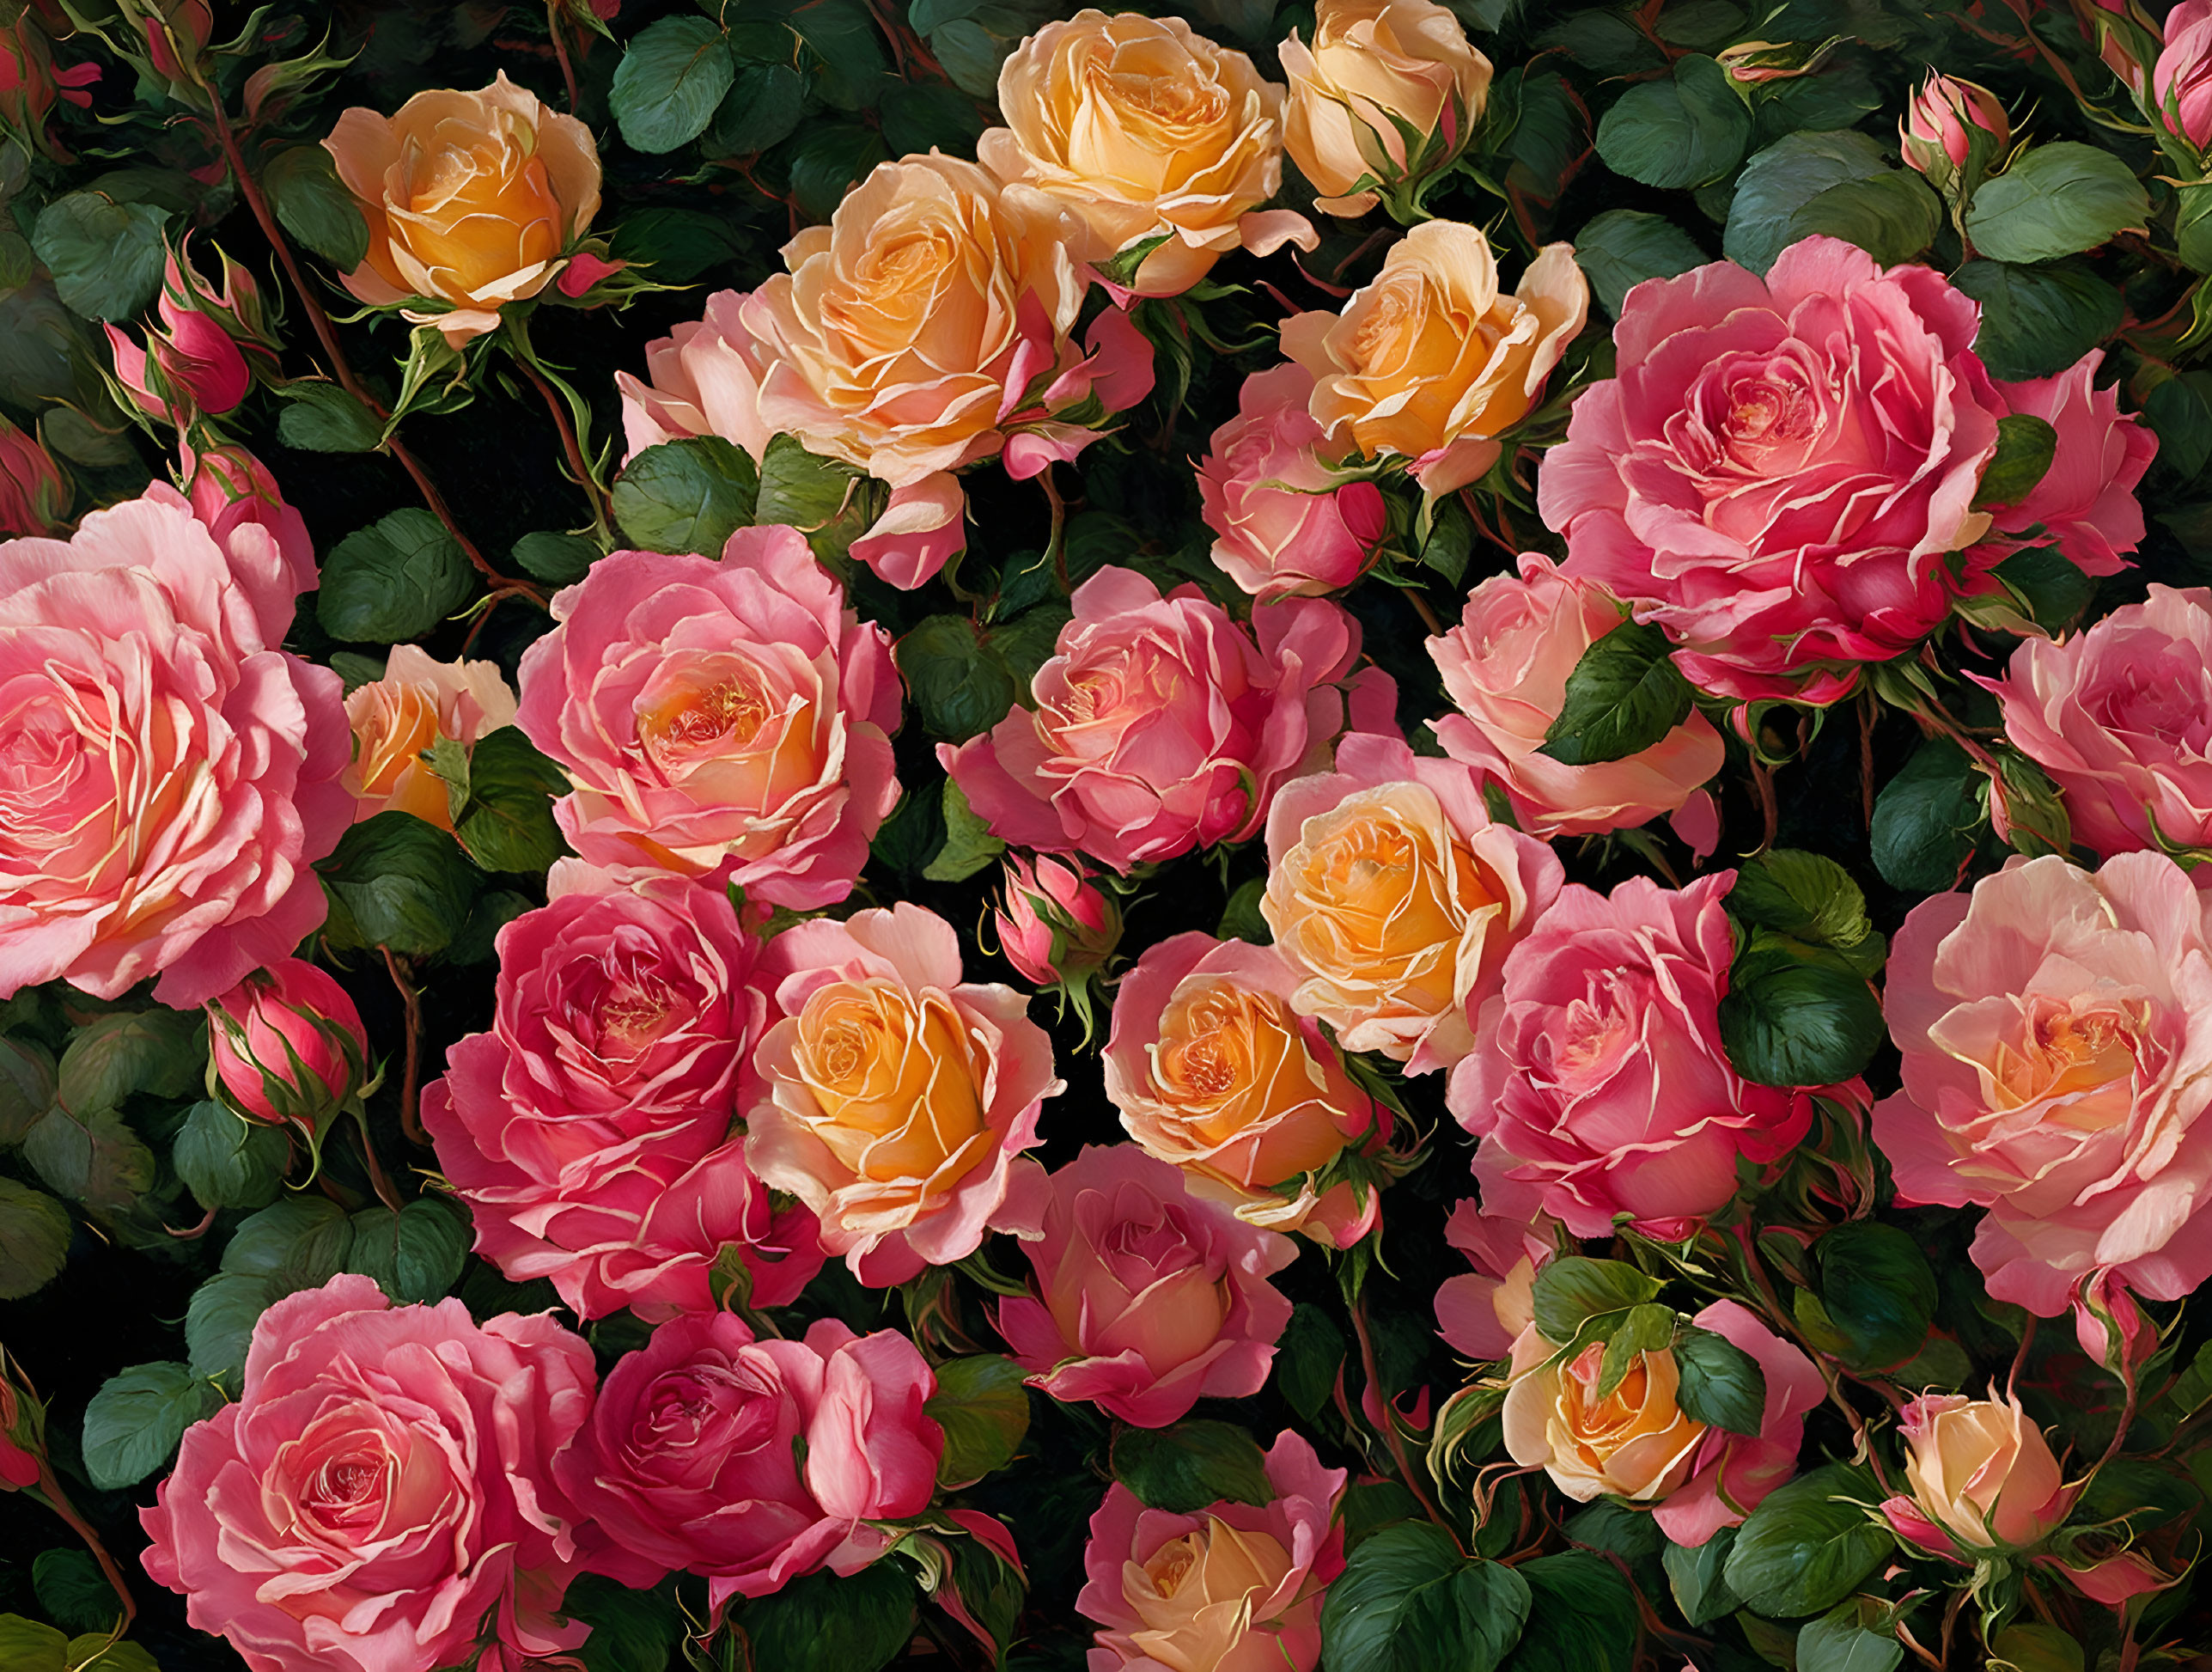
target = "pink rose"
x: 1285, y: 524
x: 1506, y: 666
x: 752, y: 1462
x: 2086, y: 502
x: 702, y: 379
x: 1146, y: 1297
x: 1479, y: 1313
x: 1053, y: 923
x: 167, y: 776
x: 729, y: 720
x: 287, y: 1045
x: 589, y: 1130
x: 2056, y: 1027
x: 2181, y: 80
x: 1937, y: 135
x: 1161, y: 725
x: 1235, y: 1586
x: 1782, y: 466
x: 271, y: 556
x: 397, y: 719
x: 34, y: 495
x: 381, y: 1497
x: 193, y: 367
x: 894, y: 1098
x: 1603, y: 1089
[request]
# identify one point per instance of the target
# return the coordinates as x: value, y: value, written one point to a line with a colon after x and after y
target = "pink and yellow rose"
x: 396, y: 720
x: 1982, y: 1475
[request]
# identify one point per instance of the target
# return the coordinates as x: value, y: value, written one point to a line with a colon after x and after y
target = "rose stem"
x: 1391, y: 1437
x: 50, y: 1488
x: 1867, y: 715
x: 527, y: 358
x: 410, y: 1114
x: 561, y: 50
x: 377, y: 1179
x: 1421, y: 609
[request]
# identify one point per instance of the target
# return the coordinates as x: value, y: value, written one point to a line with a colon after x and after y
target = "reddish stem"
x: 553, y: 9
x: 569, y: 445
x: 1391, y: 1437
x: 411, y: 1120
x: 50, y: 1488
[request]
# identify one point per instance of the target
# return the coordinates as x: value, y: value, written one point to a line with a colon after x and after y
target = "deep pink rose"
x: 1783, y: 466
x: 589, y: 1131
x: 1603, y: 1089
x: 2056, y: 1027
x: 266, y: 538
x: 1284, y: 523
x: 2181, y: 80
x: 192, y: 367
x: 726, y: 719
x: 1053, y: 923
x: 2085, y: 503
x: 1479, y: 1313
x: 1936, y: 136
x: 167, y: 776
x: 287, y: 1045
x: 1161, y: 725
x: 381, y: 1497
x: 1233, y: 1588
x: 752, y: 1462
x: 1146, y: 1297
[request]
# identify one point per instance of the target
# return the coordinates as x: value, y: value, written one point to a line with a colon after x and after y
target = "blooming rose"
x: 1235, y: 1586
x: 1147, y: 1297
x: 1145, y: 129
x: 1506, y: 666
x: 381, y: 1497
x: 473, y: 199
x: 286, y: 1045
x: 728, y: 719
x: 2085, y: 505
x: 1285, y: 524
x: 2181, y: 80
x: 1054, y: 924
x: 1480, y: 1313
x: 752, y: 1462
x: 395, y: 719
x: 590, y: 1130
x: 1396, y: 899
x: 1782, y: 468
x: 1431, y: 363
x: 2056, y: 1029
x: 34, y: 494
x: 237, y: 501
x: 1937, y: 133
x: 167, y: 776
x: 895, y: 1098
x: 1373, y: 64
x: 1982, y: 1475
x: 1160, y: 726
x: 1214, y: 1071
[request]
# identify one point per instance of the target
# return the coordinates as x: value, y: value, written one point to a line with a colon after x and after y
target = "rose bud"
x: 1054, y: 924
x: 22, y: 1431
x: 286, y: 1046
x: 1981, y: 1473
x: 193, y: 364
x: 1951, y: 125
x: 33, y: 492
x: 2181, y: 80
x: 2110, y: 1327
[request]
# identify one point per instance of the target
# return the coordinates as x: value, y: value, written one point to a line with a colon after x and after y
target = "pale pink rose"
x: 1982, y: 1474
x: 166, y: 777
x: 1480, y: 1313
x: 703, y: 379
x: 1506, y: 666
x: 2181, y: 80
x: 2056, y: 1029
x: 589, y: 1130
x: 1285, y: 524
x: 1233, y: 1588
x: 1937, y: 133
x: 1782, y: 468
x: 1146, y: 1297
x: 381, y: 1497
x: 266, y: 540
x: 750, y: 1462
x: 395, y: 719
x: 2121, y: 718
x: 1160, y: 726
x: 287, y: 1046
x: 1603, y: 1088
x: 725, y: 719
x: 34, y: 494
x: 1053, y: 923
x: 1397, y: 899
x: 2085, y: 503
x: 895, y: 1099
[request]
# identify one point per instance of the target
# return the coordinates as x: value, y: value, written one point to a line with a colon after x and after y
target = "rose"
x: 702, y: 379
x: 1235, y: 1586
x: 2110, y: 1328
x: 287, y: 1045
x: 1214, y: 1073
x: 382, y: 1496
x: 1145, y: 1297
x: 473, y: 199
x: 1480, y: 1313
x: 1941, y: 128
x: 1431, y: 363
x: 2181, y: 80
x: 2056, y: 1032
x: 752, y: 1462
x: 1145, y: 129
x: 2085, y: 505
x: 22, y: 1432
x: 418, y: 702
x: 238, y: 502
x: 1160, y: 726
x: 34, y: 494
x: 30, y: 84
x: 1285, y: 524
x: 167, y: 776
x: 1397, y: 898
x: 727, y: 720
x: 895, y: 1099
x: 589, y: 1130
x: 1982, y: 1476
x: 196, y: 364
x: 1375, y: 65
x: 1053, y: 923
x: 1506, y: 668
x: 1780, y: 471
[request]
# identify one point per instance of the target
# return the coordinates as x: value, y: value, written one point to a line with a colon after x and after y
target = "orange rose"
x: 396, y: 718
x: 1634, y: 1442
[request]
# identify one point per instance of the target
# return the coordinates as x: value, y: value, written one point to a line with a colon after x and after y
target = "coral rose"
x: 473, y: 199
x: 726, y: 719
x: 381, y: 1497
x: 895, y: 1099
x: 417, y: 704
x: 2056, y: 1029
x: 1982, y: 1475
x: 1432, y: 363
x: 1148, y: 1297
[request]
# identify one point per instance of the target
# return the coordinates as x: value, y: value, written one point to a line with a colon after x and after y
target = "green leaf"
x: 226, y: 1162
x: 959, y: 688
x: 1241, y: 919
x: 829, y: 161
x: 919, y: 118
x: 672, y: 76
x: 26, y: 1087
x: 219, y: 1324
x: 1839, y: 1642
x: 1309, y: 1358
x: 393, y: 581
x: 983, y: 1406
x: 820, y: 1623
x: 1796, y: 1016
x: 2026, y: 446
x: 1782, y: 180
x: 969, y: 846
x: 678, y: 245
x: 313, y: 204
x: 910, y: 837
x: 1408, y: 1602
x: 557, y: 559
x: 416, y: 1254
x: 105, y: 257
x: 2054, y: 200
x: 94, y: 1159
x: 1619, y: 249
x: 322, y: 418
x: 2037, y: 321
x: 1451, y: 541
x: 1645, y: 1328
x: 1623, y: 1528
x: 806, y: 492
x: 32, y: 1646
x: 1892, y: 216
x: 35, y: 1233
x: 162, y: 1054
x: 508, y: 823
x: 1581, y: 1616
x: 2180, y: 410
x: 631, y: 1631
x: 133, y: 1425
x: 685, y: 496
x: 1928, y: 818
x: 300, y: 1242
x: 1184, y: 1468
x: 1878, y: 1290
x: 94, y: 1653
x: 1722, y: 1386
x: 762, y: 108
x: 73, y: 1591
x: 2052, y: 590
x: 1802, y: 1550
x: 1802, y: 895
x: 1624, y: 695
x: 1575, y: 1288
x: 2031, y: 1646
x: 403, y: 885
x: 1682, y: 133
x: 1694, y: 1575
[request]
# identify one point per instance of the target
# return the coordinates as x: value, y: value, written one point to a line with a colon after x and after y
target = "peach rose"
x: 1146, y: 131
x: 1373, y: 65
x: 1432, y: 363
x: 394, y: 719
x: 1982, y: 1476
x: 473, y: 199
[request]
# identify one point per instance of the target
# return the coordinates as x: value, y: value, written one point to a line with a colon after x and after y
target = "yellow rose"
x: 1375, y: 64
x: 1146, y: 130
x: 894, y: 1090
x: 1432, y: 363
x: 472, y: 199
x: 1981, y: 1470
x: 1634, y: 1442
x: 396, y: 718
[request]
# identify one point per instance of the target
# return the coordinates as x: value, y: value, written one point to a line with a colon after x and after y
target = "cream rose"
x: 396, y: 718
x: 1980, y: 1471
x: 1634, y: 1443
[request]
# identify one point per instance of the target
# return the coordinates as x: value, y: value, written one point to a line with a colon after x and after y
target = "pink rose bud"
x: 22, y: 1432
x: 2181, y: 80
x: 32, y: 492
x: 2110, y: 1327
x: 175, y: 40
x: 287, y: 1045
x: 1981, y: 1471
x: 1942, y: 123
x: 194, y: 366
x: 1054, y: 924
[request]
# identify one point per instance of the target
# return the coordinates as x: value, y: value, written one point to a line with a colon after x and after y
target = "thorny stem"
x: 50, y: 1488
x: 411, y: 1120
x: 1391, y: 1437
x: 1058, y: 542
